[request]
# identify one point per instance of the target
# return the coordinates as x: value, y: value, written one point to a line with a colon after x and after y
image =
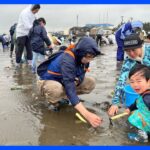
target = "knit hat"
x: 132, y: 41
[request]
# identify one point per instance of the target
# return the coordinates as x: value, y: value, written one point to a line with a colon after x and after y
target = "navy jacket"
x: 67, y: 67
x: 38, y: 37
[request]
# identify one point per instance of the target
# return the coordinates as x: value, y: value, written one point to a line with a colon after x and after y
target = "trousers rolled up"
x: 54, y: 91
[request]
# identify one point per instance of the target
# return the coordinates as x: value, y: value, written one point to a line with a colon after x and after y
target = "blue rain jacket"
x: 66, y: 67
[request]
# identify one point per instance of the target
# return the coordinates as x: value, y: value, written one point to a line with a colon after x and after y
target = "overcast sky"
x: 60, y: 17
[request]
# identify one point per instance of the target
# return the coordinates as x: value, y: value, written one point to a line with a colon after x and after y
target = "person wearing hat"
x: 65, y: 76
x: 137, y: 52
x: 25, y: 23
x: 125, y: 30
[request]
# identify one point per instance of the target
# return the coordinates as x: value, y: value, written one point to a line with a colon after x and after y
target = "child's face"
x: 139, y: 83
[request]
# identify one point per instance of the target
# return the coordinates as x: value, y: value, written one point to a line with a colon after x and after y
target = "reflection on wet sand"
x: 26, y: 120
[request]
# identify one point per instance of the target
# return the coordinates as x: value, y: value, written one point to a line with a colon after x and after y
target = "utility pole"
x: 77, y: 20
x: 103, y: 17
x: 122, y: 20
x: 107, y: 17
x: 99, y: 18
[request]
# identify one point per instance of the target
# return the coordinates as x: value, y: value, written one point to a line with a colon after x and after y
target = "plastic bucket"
x: 130, y: 95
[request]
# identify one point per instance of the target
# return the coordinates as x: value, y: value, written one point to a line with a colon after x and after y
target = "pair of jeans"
x: 37, y: 57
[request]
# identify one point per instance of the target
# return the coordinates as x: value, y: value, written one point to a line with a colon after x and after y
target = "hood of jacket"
x: 86, y: 45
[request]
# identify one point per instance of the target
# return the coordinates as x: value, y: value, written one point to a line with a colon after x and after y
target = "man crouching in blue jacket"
x: 65, y: 75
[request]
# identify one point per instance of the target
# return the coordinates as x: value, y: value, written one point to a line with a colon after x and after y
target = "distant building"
x: 75, y: 30
x: 91, y: 28
x: 79, y: 31
x: 103, y: 25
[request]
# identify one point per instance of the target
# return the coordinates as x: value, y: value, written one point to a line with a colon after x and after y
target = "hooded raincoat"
x: 67, y: 66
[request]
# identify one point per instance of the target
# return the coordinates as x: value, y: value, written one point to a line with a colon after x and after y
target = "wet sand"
x: 26, y: 120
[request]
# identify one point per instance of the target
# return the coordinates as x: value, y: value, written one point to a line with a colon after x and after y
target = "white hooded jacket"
x: 25, y: 22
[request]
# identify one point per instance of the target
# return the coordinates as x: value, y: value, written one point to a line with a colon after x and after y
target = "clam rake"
x: 117, y: 117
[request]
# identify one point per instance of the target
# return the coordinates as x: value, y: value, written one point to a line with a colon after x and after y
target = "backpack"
x: 42, y: 68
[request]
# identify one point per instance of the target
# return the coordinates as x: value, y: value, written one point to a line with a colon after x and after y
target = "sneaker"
x: 63, y: 102
x: 141, y: 136
x: 53, y: 108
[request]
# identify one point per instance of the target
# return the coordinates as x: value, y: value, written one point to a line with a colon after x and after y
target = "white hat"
x: 56, y: 41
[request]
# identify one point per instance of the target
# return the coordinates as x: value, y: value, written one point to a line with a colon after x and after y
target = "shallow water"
x: 26, y: 120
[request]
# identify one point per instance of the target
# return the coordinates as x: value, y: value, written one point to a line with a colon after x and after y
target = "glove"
x: 48, y: 52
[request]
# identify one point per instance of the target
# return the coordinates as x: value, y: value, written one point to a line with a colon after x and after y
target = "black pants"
x: 99, y: 38
x: 22, y: 42
x: 12, y: 44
